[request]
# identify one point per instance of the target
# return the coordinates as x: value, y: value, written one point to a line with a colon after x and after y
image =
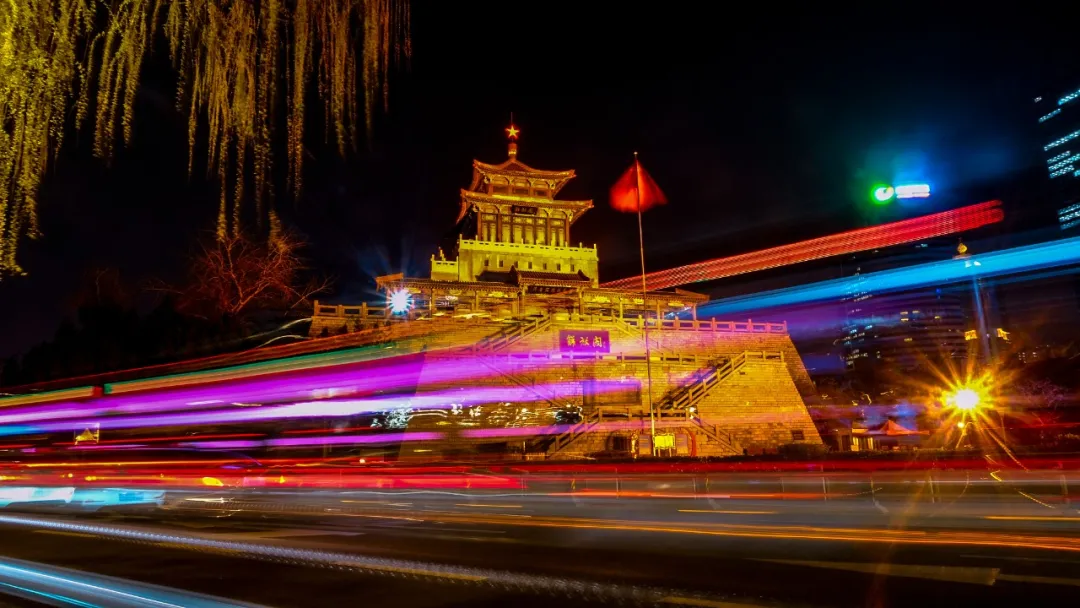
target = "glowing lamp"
x: 400, y: 301
x: 883, y: 194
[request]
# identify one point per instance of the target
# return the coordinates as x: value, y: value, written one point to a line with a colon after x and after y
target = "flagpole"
x: 644, y: 298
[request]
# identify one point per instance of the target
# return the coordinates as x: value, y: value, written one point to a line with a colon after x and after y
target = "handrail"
x: 509, y: 335
x: 575, y: 432
x: 748, y: 326
x: 691, y: 392
x: 717, y: 435
x: 681, y: 399
x: 661, y: 357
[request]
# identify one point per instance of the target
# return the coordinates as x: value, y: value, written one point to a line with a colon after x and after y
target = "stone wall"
x: 760, y: 405
x: 703, y: 343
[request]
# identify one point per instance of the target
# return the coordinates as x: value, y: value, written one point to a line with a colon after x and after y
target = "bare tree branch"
x: 238, y: 275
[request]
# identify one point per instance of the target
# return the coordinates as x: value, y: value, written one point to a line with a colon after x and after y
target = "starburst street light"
x: 400, y: 301
x: 966, y: 399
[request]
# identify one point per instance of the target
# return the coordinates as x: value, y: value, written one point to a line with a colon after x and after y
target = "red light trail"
x: 862, y: 239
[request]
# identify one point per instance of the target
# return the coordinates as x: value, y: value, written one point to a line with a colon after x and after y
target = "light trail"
x: 863, y: 239
x: 517, y: 582
x: 46, y: 419
x: 1063, y: 252
x: 808, y: 533
x: 65, y: 587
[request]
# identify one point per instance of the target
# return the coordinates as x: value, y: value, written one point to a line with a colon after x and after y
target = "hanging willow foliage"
x: 236, y: 61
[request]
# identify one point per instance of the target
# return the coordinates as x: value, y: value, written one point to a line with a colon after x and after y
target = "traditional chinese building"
x: 515, y: 308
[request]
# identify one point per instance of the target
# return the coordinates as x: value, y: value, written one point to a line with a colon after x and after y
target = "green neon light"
x: 882, y: 193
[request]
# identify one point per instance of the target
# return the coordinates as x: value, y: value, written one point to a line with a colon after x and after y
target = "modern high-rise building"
x: 902, y: 330
x: 1059, y: 126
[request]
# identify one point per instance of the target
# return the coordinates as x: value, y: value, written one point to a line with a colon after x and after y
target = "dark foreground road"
x: 453, y: 551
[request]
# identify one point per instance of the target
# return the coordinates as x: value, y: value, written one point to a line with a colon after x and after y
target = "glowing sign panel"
x: 665, y: 442
x: 913, y: 191
x: 584, y: 341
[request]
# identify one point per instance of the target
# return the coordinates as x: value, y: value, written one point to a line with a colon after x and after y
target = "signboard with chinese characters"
x: 665, y: 442
x: 584, y: 341
x: 523, y: 210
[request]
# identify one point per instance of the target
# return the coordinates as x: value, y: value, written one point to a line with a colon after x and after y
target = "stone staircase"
x: 690, y: 393
x: 678, y: 401
x: 553, y: 444
x: 509, y: 335
x: 721, y: 437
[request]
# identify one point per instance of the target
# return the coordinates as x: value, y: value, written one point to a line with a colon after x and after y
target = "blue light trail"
x: 55, y: 586
x: 1020, y: 259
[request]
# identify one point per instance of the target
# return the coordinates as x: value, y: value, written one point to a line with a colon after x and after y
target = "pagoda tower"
x: 513, y: 348
x: 514, y: 254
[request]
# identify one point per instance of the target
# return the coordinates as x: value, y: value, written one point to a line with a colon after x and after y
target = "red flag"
x: 634, y: 183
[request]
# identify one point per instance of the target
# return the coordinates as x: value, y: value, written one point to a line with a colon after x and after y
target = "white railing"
x: 364, y: 311
x: 528, y: 247
x: 748, y: 326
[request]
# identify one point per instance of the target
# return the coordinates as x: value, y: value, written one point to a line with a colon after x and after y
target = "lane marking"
x: 1041, y: 580
x: 870, y: 535
x: 727, y: 512
x: 482, y: 506
x: 1014, y: 558
x: 953, y: 574
x: 289, y: 533
x: 379, y: 502
x: 58, y: 533
x: 1031, y: 518
x: 414, y: 571
x: 694, y: 601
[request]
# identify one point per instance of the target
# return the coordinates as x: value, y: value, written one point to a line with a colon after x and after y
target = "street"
x: 439, y: 549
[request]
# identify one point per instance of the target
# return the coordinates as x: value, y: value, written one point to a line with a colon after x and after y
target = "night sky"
x: 759, y: 132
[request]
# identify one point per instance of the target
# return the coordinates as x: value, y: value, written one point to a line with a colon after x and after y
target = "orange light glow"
x: 512, y: 131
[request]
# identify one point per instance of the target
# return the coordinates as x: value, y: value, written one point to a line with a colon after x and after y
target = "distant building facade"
x: 907, y: 329
x: 1058, y: 119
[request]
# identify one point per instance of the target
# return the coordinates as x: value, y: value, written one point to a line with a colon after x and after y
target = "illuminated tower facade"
x: 513, y: 222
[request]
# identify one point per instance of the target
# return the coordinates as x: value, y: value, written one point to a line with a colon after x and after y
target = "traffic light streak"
x: 883, y: 235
